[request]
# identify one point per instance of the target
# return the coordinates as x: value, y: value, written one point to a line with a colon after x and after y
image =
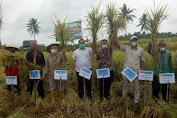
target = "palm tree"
x: 143, y: 22
x: 127, y: 13
x: 33, y: 27
x: 95, y: 22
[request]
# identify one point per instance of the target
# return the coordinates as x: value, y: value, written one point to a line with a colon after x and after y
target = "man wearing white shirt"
x: 82, y: 58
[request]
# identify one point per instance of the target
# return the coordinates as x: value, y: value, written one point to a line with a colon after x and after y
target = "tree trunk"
x: 34, y: 36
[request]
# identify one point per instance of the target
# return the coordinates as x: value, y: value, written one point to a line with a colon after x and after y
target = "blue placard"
x: 103, y: 73
x: 146, y: 75
x: 60, y: 74
x: 129, y: 74
x: 86, y: 73
x: 11, y: 80
x: 34, y: 74
x: 167, y: 78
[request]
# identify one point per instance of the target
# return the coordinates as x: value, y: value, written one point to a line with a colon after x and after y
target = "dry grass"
x: 72, y: 107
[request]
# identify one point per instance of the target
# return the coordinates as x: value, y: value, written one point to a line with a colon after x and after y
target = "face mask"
x: 104, y: 46
x: 162, y: 49
x: 82, y: 46
x: 53, y: 51
x: 134, y: 44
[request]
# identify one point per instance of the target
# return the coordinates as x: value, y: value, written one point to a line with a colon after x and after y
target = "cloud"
x: 16, y: 15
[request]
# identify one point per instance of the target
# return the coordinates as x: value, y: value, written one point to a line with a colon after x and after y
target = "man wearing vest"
x: 37, y: 58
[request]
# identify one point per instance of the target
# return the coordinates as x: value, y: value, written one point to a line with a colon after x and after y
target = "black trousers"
x: 81, y: 88
x: 39, y: 84
x: 156, y: 86
x: 9, y: 87
x: 106, y: 86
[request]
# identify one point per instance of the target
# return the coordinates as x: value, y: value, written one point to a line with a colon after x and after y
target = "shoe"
x: 91, y: 99
x: 108, y: 98
x: 52, y: 97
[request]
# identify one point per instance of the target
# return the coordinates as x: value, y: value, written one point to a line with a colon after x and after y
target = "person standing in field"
x: 134, y: 59
x: 163, y: 64
x: 104, y: 60
x: 13, y: 69
x: 37, y: 58
x: 82, y: 58
x: 54, y: 62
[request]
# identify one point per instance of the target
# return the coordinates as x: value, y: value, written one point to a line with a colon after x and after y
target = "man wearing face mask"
x: 37, y: 58
x: 54, y: 62
x: 134, y: 59
x: 82, y: 58
x: 104, y: 60
x: 163, y: 64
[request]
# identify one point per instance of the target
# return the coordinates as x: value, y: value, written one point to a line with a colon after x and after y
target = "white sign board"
x: 11, y: 80
x: 34, y: 74
x: 60, y: 74
x: 167, y: 78
x: 129, y: 74
x: 146, y: 75
x: 85, y: 73
x: 103, y: 73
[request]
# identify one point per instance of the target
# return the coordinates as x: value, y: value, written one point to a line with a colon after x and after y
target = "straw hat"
x: 57, y: 44
x: 12, y: 45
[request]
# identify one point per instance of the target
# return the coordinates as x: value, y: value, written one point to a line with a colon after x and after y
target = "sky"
x: 17, y: 13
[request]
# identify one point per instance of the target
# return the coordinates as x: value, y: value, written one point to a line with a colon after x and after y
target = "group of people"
x: 82, y: 57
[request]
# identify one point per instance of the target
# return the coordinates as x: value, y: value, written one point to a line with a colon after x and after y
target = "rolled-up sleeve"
x: 74, y: 56
x: 123, y: 47
x: 90, y: 50
x: 143, y: 56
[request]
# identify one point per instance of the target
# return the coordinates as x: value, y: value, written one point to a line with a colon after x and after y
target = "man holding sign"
x: 82, y: 58
x: 134, y: 59
x: 162, y: 63
x: 104, y: 60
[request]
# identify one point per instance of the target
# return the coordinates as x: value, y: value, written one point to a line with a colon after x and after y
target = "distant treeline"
x: 147, y: 35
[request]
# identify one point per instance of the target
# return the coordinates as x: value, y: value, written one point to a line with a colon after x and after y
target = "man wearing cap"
x: 13, y: 69
x: 162, y: 63
x: 37, y: 58
x: 134, y: 59
x: 82, y: 58
x: 54, y: 62
x: 104, y: 60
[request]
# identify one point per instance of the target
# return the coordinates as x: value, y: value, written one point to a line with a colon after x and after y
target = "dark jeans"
x: 39, y: 84
x: 9, y: 87
x: 156, y: 86
x: 81, y: 88
x: 107, y: 85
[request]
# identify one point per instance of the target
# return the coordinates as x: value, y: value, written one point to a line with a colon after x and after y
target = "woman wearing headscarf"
x: 54, y: 62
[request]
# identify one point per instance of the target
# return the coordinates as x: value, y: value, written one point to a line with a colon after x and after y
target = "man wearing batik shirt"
x: 104, y: 60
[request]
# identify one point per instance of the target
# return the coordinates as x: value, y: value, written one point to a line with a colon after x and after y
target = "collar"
x: 36, y: 51
x: 82, y: 49
x: 134, y: 48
